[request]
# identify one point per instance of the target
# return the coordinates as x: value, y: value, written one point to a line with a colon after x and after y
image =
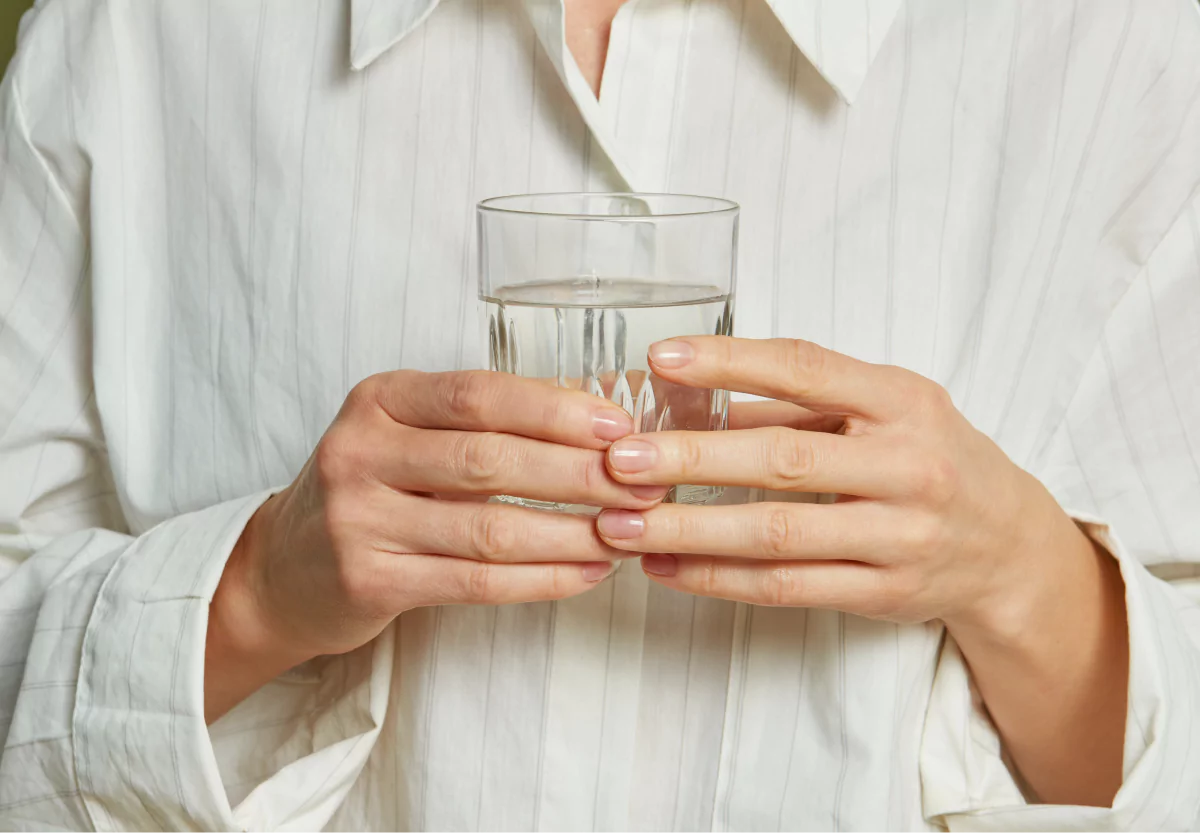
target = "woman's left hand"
x: 933, y: 520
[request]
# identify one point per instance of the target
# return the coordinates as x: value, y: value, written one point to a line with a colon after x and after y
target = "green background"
x: 10, y: 13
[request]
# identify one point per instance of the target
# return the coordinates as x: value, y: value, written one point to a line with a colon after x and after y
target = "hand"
x: 933, y: 522
x: 388, y: 514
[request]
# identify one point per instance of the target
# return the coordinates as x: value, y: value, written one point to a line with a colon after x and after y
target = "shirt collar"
x: 378, y: 25
x: 839, y: 38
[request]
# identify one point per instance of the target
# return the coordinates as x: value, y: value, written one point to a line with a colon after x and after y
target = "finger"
x: 774, y: 531
x: 448, y: 580
x: 788, y: 369
x: 784, y: 414
x: 490, y: 401
x: 771, y: 458
x: 486, y: 463
x: 497, y: 532
x: 837, y: 585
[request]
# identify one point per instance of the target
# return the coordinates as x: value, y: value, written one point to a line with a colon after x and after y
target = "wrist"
x: 244, y: 648
x: 1050, y: 660
x: 1054, y: 576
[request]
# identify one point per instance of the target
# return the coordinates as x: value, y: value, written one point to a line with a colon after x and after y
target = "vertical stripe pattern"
x: 217, y: 216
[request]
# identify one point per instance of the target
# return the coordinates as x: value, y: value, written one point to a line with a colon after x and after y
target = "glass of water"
x: 578, y: 286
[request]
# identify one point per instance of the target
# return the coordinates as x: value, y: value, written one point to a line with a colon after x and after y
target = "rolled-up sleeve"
x: 1125, y: 462
x: 102, y: 632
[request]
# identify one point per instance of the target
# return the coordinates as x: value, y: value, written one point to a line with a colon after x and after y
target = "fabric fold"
x: 142, y: 751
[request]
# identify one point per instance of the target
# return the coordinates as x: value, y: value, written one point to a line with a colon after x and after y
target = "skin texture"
x: 933, y: 522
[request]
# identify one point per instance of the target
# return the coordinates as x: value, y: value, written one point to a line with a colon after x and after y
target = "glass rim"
x: 720, y: 205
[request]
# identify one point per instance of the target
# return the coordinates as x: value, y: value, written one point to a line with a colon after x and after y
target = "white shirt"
x: 216, y: 217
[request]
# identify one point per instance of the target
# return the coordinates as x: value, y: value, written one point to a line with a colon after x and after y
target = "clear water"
x: 593, y: 334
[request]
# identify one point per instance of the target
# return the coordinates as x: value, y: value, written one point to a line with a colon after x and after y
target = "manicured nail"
x: 611, y: 424
x: 632, y: 456
x: 660, y: 564
x: 598, y: 570
x: 620, y: 524
x: 671, y: 354
x: 649, y: 492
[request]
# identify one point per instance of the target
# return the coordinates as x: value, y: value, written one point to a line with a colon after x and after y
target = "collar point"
x: 377, y: 27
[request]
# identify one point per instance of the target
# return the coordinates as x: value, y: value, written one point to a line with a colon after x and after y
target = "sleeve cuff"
x: 143, y: 754
x: 967, y: 785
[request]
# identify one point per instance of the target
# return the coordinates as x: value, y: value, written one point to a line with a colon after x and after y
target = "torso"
x: 269, y: 230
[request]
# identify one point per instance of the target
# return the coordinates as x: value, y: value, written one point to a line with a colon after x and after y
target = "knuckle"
x: 365, y: 394
x: 469, y: 394
x: 478, y: 583
x: 791, y: 460
x: 804, y: 362
x: 358, y: 580
x: 930, y: 398
x: 780, y: 534
x: 345, y: 524
x: 723, y: 350
x: 337, y: 458
x: 709, y: 579
x: 340, y: 515
x: 556, y: 413
x: 687, y: 528
x: 560, y: 581
x: 691, y: 455
x: 589, y: 472
x: 938, y: 480
x: 493, y: 536
x: 483, y: 459
x: 898, y: 587
x: 781, y: 587
x: 891, y: 589
x: 923, y: 533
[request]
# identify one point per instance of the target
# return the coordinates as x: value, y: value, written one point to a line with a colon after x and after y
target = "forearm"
x: 1053, y: 674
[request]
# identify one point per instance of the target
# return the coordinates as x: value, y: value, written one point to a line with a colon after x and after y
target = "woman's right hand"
x: 389, y: 514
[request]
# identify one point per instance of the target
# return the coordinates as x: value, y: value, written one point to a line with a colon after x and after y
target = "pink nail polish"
x: 620, y: 524
x: 598, y: 570
x: 671, y: 354
x: 632, y: 456
x: 660, y: 564
x: 611, y: 424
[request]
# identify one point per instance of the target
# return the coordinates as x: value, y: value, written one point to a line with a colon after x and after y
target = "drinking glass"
x: 578, y: 286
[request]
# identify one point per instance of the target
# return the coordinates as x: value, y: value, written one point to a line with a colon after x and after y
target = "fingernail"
x: 620, y: 524
x: 611, y: 424
x: 631, y: 456
x: 649, y: 492
x: 660, y: 564
x: 671, y: 354
x: 598, y: 570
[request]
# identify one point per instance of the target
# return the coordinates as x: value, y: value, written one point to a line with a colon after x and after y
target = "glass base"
x: 691, y: 495
x: 533, y: 504
x: 695, y: 495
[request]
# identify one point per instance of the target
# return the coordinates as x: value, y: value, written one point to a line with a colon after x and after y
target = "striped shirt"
x: 216, y: 217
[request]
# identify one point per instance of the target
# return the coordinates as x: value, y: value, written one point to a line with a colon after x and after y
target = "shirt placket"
x: 594, y: 690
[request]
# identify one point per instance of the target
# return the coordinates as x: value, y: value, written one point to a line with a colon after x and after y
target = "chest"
x: 289, y: 226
